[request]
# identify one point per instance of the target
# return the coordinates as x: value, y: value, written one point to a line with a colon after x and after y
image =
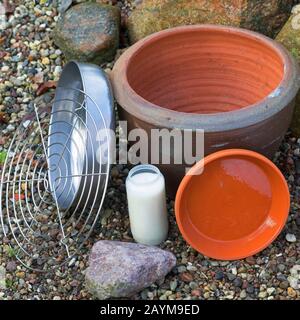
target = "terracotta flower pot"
x: 237, y: 85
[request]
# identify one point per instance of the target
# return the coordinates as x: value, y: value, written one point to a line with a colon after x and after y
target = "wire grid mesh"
x: 43, y: 232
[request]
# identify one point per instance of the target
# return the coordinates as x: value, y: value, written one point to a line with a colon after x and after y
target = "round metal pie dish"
x: 79, y: 138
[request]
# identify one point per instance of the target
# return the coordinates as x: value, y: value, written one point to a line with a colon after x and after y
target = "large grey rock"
x: 120, y: 269
x: 64, y: 5
x: 88, y: 32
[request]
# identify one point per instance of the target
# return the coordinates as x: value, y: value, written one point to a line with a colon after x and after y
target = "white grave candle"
x: 145, y: 186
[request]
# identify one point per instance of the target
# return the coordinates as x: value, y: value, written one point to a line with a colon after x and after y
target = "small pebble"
x: 284, y: 284
x: 234, y: 271
x: 45, y: 61
x: 181, y: 269
x: 196, y: 293
x: 237, y: 282
x: 206, y: 295
x: 11, y: 266
x: 290, y: 237
x: 20, y: 274
x: 5, y: 69
x: 173, y: 285
x: 10, y: 128
x: 262, y: 294
x: 26, y: 123
x: 281, y: 267
x: 186, y: 277
x: 231, y: 276
x: 193, y: 285
x: 291, y: 292
x: 191, y: 268
x: 250, y: 289
x: 250, y: 260
x: 243, y: 294
x: 219, y: 275
x: 270, y: 291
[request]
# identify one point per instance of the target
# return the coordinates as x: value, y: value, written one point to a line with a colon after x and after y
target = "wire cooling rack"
x: 49, y: 204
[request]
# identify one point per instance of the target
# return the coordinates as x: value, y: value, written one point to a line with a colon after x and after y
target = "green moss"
x: 3, y: 155
x: 290, y: 38
x: 296, y: 53
x: 9, y: 283
x: 11, y: 252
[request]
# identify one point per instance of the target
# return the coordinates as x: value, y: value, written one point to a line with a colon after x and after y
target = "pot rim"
x: 277, y: 100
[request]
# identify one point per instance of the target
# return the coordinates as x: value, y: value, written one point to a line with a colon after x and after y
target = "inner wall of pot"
x: 205, y: 71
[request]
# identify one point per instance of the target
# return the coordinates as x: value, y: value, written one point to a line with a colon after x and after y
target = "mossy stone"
x: 154, y: 15
x: 289, y: 36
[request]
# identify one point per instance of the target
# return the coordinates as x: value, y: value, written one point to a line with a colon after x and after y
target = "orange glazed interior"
x: 235, y: 207
x: 204, y: 71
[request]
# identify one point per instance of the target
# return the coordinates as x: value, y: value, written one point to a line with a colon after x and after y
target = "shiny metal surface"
x: 82, y: 112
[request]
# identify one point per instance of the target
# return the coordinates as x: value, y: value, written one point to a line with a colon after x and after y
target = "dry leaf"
x: 44, y: 87
x: 4, y: 118
x: 3, y: 140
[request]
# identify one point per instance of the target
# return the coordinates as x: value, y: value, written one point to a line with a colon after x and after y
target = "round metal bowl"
x: 79, y: 137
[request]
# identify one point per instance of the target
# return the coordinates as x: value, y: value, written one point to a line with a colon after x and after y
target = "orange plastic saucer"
x: 232, y: 204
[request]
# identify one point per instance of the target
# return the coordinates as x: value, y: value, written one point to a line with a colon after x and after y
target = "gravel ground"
x: 28, y: 59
